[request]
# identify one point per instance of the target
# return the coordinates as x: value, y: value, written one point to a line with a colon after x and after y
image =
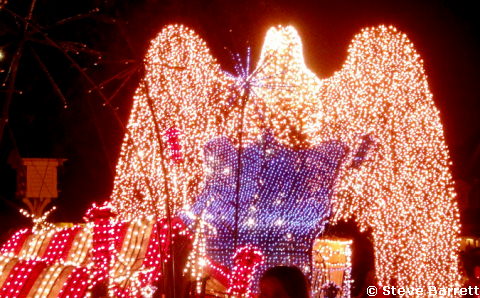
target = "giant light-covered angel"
x: 365, y: 143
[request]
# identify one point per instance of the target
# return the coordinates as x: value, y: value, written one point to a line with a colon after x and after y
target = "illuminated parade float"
x: 224, y: 175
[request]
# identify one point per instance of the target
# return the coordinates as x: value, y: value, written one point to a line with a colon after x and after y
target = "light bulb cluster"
x: 71, y: 261
x: 284, y: 202
x: 198, y: 261
x: 332, y: 263
x: 35, y: 262
x: 197, y: 108
x: 183, y: 116
x: 16, y: 241
x: 246, y: 261
x: 39, y: 222
x: 266, y: 158
x: 403, y: 192
x: 395, y: 180
x: 389, y: 166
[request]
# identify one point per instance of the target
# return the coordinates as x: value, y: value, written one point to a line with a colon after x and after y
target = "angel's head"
x: 286, y: 86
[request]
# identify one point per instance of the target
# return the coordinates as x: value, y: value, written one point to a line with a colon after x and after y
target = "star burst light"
x: 393, y: 177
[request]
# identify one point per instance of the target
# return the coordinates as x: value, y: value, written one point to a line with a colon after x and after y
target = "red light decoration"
x: 60, y: 245
x: 125, y: 257
x: 173, y: 141
x: 246, y: 260
x: 77, y: 283
x: 15, y: 243
x: 21, y: 278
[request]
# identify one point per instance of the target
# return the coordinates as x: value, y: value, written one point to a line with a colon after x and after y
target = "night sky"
x: 445, y: 33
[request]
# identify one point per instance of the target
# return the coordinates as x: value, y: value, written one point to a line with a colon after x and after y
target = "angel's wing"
x: 179, y: 101
x: 403, y: 190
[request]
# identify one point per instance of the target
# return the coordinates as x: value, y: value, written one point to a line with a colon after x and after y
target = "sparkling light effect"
x: 265, y: 157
